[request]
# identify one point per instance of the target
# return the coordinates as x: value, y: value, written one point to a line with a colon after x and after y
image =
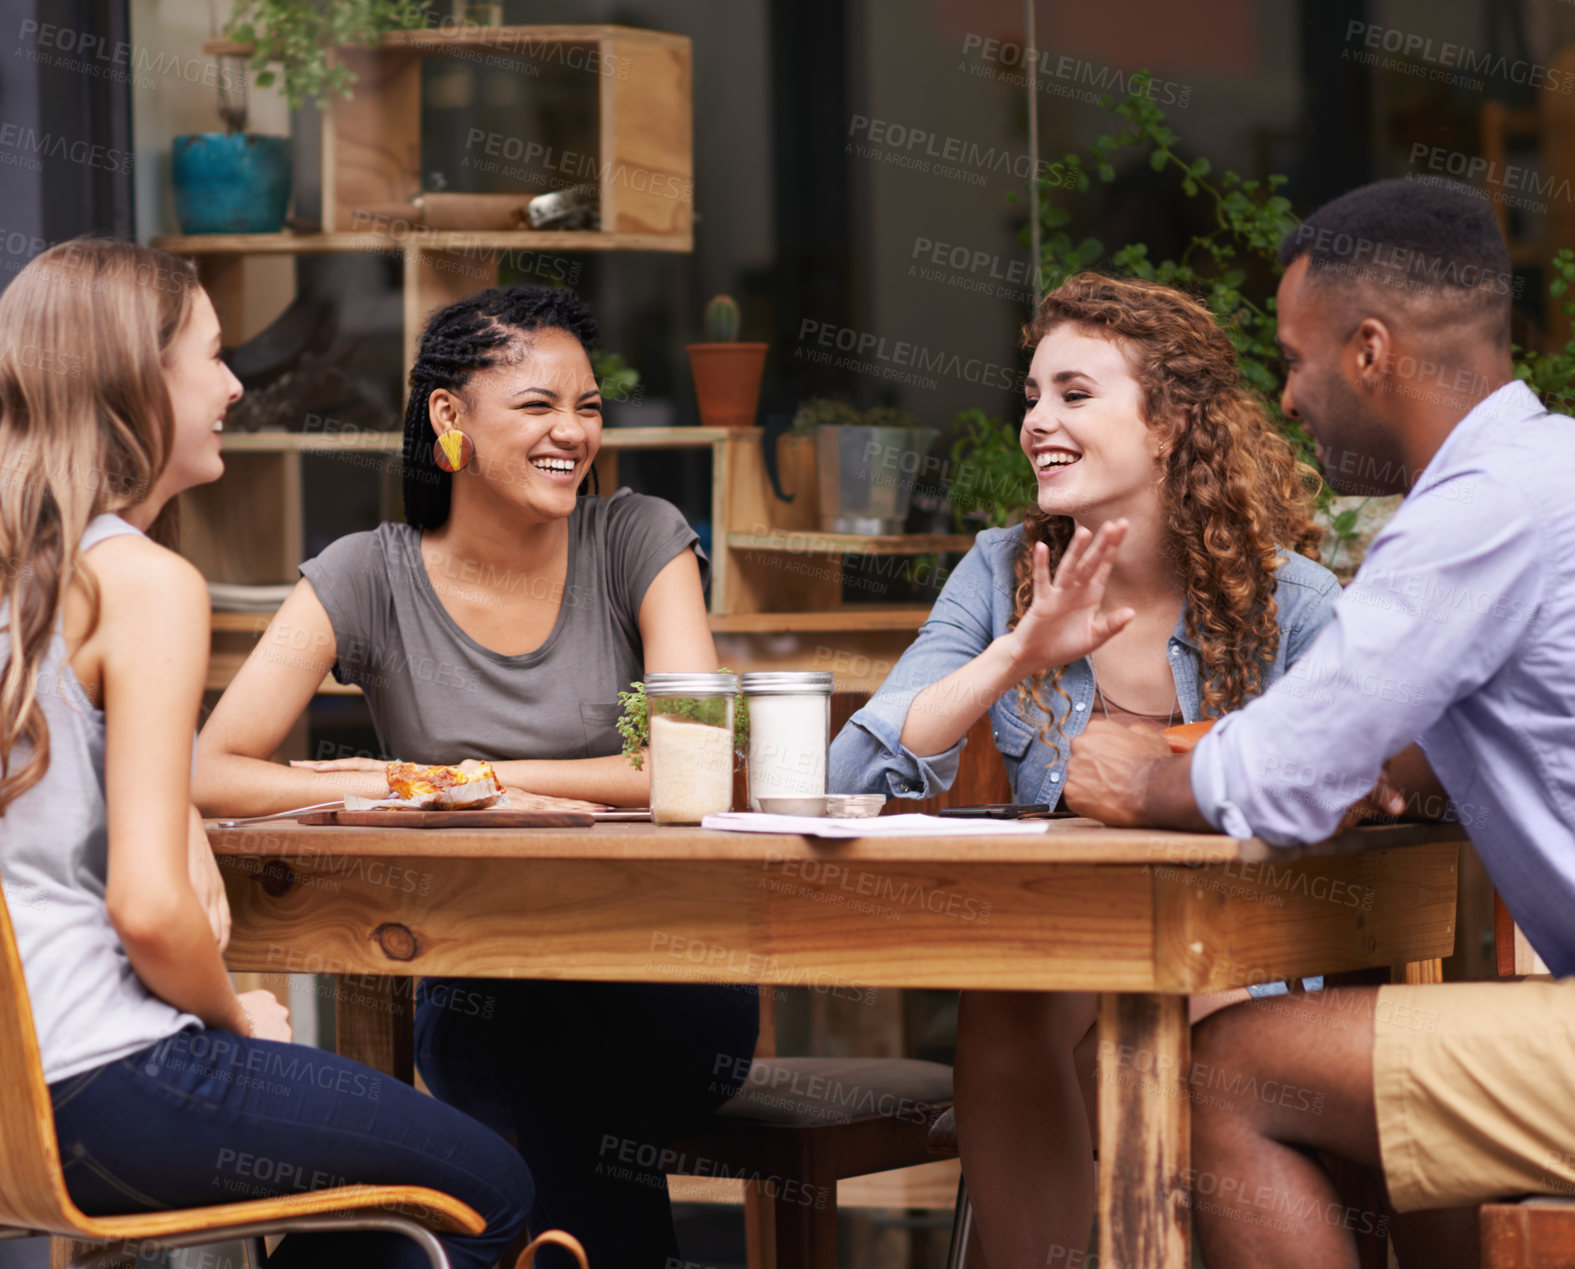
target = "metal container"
x: 867, y: 475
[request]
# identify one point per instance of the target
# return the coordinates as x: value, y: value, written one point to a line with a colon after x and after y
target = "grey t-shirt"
x: 436, y: 695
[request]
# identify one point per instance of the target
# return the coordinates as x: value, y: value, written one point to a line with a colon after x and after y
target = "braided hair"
x: 474, y: 334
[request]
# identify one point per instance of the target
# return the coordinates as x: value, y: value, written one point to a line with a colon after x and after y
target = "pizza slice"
x: 472, y: 784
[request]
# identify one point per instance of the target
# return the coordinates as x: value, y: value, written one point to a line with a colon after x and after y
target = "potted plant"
x: 727, y: 373
x: 237, y: 181
x: 867, y: 462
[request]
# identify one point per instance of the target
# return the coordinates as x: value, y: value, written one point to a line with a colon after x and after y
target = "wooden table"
x: 1142, y: 916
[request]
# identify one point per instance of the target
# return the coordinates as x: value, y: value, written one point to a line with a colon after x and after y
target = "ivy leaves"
x: 298, y: 35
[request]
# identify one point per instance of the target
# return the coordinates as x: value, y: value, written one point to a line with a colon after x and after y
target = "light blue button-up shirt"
x: 974, y: 608
x: 1457, y: 632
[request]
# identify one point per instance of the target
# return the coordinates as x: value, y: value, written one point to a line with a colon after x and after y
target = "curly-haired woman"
x: 499, y: 622
x: 1167, y: 573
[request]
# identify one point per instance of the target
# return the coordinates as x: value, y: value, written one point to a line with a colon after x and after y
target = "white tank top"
x: 89, y: 1006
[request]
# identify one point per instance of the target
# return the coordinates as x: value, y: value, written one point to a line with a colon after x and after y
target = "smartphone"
x: 1000, y: 811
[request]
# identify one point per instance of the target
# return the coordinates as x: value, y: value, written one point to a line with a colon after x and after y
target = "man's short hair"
x: 1433, y: 239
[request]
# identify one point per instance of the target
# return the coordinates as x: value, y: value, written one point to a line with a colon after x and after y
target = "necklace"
x: 1100, y: 692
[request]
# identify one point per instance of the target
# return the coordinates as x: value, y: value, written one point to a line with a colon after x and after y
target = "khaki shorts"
x: 1475, y: 1089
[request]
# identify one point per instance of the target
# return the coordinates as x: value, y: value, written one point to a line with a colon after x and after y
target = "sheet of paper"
x: 878, y: 826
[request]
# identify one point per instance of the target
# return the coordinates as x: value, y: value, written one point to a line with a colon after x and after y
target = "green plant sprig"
x: 634, y: 724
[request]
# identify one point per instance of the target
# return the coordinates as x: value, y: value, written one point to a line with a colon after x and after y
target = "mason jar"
x: 691, y: 753
x: 789, y: 733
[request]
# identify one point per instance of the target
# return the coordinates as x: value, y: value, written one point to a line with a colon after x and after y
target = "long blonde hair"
x: 86, y: 426
x: 1234, y: 491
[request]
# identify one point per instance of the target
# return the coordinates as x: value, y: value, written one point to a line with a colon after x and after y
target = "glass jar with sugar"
x: 789, y: 733
x: 692, y: 757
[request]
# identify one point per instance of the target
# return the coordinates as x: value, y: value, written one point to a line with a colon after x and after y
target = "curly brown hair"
x: 1235, y: 493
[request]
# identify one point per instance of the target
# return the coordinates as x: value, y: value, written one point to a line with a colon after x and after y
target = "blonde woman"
x: 168, y: 1088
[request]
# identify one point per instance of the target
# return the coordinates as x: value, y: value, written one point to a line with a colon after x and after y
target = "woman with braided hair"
x: 499, y: 622
x: 1166, y: 573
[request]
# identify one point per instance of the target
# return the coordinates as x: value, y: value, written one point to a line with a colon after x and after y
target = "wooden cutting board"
x: 452, y: 819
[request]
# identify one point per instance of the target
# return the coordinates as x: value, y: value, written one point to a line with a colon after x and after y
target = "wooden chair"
x: 1536, y: 1233
x: 778, y: 1127
x: 33, y: 1197
x: 943, y: 1143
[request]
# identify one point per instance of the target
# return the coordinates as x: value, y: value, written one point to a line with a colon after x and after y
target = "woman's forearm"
x: 610, y: 779
x: 942, y: 713
x: 172, y: 948
x: 233, y: 784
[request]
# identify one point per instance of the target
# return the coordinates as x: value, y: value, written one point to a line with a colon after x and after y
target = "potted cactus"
x: 727, y: 373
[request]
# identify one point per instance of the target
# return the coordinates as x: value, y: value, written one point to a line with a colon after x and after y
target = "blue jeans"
x: 593, y: 1080
x: 208, y: 1117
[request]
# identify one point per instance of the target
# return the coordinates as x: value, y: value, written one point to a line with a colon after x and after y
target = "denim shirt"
x: 974, y: 608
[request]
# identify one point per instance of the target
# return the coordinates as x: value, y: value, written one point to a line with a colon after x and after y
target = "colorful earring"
x: 453, y: 450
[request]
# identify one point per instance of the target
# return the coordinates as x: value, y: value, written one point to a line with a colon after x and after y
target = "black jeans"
x: 209, y: 1117
x: 592, y: 1080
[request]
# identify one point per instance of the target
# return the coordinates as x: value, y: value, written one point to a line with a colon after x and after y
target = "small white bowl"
x: 855, y: 806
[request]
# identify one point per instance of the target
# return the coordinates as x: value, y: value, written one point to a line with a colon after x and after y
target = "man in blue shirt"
x: 1452, y: 651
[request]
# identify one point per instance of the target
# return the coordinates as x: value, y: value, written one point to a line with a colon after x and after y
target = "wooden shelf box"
x: 371, y: 151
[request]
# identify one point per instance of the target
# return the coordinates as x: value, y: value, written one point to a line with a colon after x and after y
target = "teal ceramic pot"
x: 231, y: 183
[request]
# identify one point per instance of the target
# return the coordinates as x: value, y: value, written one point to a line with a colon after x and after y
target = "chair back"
x: 1516, y: 957
x: 32, y: 1186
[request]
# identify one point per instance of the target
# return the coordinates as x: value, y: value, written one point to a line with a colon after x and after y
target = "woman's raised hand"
x: 1063, y: 622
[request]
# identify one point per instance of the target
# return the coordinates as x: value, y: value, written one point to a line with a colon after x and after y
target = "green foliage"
x: 297, y: 34
x: 634, y: 724
x: 824, y: 412
x: 1249, y: 220
x: 1232, y: 267
x: 616, y: 379
x: 992, y: 474
x: 1550, y: 375
x: 888, y: 416
x: 722, y: 319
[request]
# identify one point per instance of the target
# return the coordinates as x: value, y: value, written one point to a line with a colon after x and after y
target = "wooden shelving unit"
x: 776, y: 581
x: 372, y: 141
x: 419, y: 238
x: 371, y: 164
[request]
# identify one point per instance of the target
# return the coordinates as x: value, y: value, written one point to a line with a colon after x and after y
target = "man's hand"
x: 1107, y: 777
x: 1383, y: 800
